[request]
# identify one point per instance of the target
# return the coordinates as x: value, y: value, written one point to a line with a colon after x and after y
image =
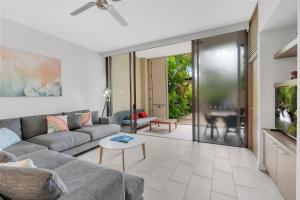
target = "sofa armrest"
x: 134, y: 187
x: 104, y: 186
x: 105, y: 120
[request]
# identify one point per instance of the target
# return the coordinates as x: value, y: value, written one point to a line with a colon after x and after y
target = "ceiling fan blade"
x: 117, y: 15
x: 83, y: 8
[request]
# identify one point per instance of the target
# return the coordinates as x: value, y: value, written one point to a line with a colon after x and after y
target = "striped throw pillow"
x: 57, y: 123
x: 85, y: 119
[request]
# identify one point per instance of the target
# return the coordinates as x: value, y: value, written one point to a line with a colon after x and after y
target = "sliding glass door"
x: 219, y: 89
x: 121, y: 71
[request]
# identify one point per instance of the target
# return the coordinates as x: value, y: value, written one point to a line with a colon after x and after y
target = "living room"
x: 67, y: 72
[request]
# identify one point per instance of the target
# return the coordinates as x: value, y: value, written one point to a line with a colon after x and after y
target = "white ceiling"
x: 169, y: 50
x: 149, y: 20
x: 277, y: 14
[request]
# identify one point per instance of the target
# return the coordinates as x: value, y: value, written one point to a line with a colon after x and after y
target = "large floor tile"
x: 149, y: 164
x: 222, y: 164
x: 183, y: 173
x: 190, y: 157
x: 244, y: 176
x: 170, y: 161
x: 199, y: 188
x: 245, y: 193
x: 206, y: 154
x: 158, y: 178
x: 223, y: 183
x: 220, y: 151
x: 269, y: 189
x: 204, y: 168
x: 150, y: 194
x: 173, y: 191
x: 216, y: 196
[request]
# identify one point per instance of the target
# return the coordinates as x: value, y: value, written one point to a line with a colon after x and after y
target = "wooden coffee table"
x: 163, y: 121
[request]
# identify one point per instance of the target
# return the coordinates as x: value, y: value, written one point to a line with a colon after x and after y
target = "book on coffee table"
x: 122, y: 138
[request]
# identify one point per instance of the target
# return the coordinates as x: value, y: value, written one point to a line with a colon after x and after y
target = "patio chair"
x: 211, y: 122
x: 232, y: 126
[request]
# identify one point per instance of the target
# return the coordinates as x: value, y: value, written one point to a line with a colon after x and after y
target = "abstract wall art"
x: 24, y: 74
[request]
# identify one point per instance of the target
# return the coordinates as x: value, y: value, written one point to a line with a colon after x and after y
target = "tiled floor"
x: 184, y: 170
x: 184, y: 132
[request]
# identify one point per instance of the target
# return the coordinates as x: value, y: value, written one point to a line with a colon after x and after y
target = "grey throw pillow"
x: 95, y: 117
x: 74, y: 121
x: 7, y: 157
x: 30, y: 184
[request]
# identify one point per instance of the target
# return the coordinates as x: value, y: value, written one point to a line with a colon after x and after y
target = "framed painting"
x: 24, y: 74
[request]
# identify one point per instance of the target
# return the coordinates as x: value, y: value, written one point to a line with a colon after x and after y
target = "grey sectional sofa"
x: 34, y: 128
x: 84, y: 180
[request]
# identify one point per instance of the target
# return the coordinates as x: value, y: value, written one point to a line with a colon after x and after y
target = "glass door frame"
x: 196, y: 107
x: 132, y: 87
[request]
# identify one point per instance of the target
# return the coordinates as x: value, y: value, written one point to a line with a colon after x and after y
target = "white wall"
x: 271, y: 71
x: 267, y: 8
x: 83, y: 73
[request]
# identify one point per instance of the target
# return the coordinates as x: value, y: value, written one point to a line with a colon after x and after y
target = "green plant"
x: 180, y: 86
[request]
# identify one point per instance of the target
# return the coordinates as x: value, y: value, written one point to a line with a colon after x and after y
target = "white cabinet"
x: 286, y: 173
x: 270, y: 157
x: 280, y: 162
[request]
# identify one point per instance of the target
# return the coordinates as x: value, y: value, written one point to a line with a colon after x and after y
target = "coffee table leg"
x: 144, y: 150
x: 101, y: 155
x: 170, y: 128
x: 123, y: 160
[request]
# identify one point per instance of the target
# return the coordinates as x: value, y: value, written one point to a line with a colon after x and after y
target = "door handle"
x: 281, y: 151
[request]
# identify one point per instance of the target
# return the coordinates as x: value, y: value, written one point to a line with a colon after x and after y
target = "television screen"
x: 286, y: 109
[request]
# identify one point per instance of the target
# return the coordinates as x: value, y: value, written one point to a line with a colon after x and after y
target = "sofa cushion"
x: 134, y: 187
x: 48, y: 159
x: 12, y: 124
x: 100, y: 131
x: 23, y: 147
x: 74, y: 121
x: 34, y: 125
x: 95, y: 117
x: 7, y: 157
x: 7, y: 138
x: 85, y: 180
x: 61, y: 141
x: 20, y: 183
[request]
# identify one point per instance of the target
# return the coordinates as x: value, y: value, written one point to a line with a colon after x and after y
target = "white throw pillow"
x: 23, y: 163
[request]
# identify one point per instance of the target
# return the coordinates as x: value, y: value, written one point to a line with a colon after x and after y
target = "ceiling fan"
x: 103, y: 5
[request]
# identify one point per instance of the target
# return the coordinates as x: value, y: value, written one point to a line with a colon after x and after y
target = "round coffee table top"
x: 107, y: 143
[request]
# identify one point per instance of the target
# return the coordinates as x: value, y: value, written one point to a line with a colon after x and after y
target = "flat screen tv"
x: 286, y: 107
